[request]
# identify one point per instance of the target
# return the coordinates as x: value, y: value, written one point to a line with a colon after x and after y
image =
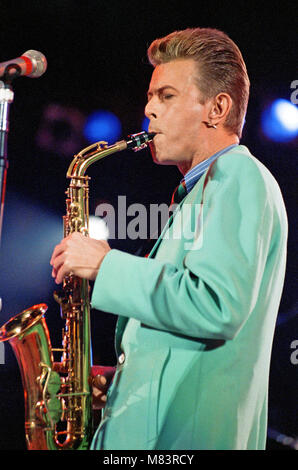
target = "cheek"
x: 186, y: 118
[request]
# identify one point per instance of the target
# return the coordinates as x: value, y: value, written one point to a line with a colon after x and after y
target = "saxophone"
x: 57, y: 395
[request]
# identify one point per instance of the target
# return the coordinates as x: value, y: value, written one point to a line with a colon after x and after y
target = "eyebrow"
x: 160, y: 90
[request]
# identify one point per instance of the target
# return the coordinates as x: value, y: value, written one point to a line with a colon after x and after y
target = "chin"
x: 164, y: 162
x: 159, y: 158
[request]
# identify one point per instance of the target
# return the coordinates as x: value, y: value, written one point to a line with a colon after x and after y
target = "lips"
x: 154, y: 131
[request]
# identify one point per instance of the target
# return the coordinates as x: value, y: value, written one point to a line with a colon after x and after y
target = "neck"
x: 209, y: 148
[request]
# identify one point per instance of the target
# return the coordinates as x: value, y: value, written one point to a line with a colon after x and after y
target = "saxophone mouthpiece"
x: 139, y: 141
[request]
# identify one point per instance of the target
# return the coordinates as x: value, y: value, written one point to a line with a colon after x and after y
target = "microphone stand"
x: 6, y: 98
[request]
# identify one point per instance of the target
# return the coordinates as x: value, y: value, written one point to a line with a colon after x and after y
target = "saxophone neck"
x: 101, y: 149
x: 92, y: 154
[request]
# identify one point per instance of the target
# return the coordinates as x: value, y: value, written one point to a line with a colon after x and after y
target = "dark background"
x: 96, y: 52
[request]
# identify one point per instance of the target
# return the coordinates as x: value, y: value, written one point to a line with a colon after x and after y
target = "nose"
x: 150, y: 110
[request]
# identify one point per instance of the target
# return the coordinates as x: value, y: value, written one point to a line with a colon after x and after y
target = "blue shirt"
x: 193, y: 175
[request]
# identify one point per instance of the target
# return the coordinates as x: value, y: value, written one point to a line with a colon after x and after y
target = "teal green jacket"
x: 197, y: 319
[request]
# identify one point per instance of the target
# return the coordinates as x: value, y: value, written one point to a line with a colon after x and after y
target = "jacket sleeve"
x: 218, y: 286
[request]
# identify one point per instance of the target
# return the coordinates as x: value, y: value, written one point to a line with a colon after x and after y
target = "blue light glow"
x: 145, y: 124
x: 280, y: 121
x: 102, y: 125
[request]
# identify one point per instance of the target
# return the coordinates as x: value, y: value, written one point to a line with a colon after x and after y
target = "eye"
x: 166, y: 96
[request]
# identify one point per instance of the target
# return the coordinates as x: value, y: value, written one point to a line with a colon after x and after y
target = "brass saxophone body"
x: 57, y: 395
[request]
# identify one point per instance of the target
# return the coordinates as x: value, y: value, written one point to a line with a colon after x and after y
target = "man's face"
x: 176, y: 114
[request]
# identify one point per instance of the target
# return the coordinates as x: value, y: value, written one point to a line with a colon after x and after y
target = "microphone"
x: 31, y: 64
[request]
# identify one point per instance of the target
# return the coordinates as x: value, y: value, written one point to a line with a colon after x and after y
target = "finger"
x: 61, y: 273
x: 57, y: 251
x: 99, y: 381
x: 62, y: 268
x: 64, y: 244
x: 58, y: 263
x: 99, y: 403
x: 97, y: 393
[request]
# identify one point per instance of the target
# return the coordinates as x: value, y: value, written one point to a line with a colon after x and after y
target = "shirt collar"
x: 193, y: 175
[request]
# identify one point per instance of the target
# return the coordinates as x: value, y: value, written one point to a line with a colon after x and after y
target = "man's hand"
x: 78, y: 255
x: 102, y: 378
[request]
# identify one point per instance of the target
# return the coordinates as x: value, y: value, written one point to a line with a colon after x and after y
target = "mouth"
x: 154, y: 131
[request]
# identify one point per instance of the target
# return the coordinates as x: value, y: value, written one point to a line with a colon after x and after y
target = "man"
x: 197, y: 316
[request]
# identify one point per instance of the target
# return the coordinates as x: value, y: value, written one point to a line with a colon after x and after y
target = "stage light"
x: 280, y: 121
x: 98, y: 229
x: 102, y: 125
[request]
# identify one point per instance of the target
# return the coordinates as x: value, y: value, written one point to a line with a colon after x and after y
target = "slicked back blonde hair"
x: 221, y: 68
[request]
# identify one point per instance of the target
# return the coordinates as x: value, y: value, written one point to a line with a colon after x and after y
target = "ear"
x: 220, y: 108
